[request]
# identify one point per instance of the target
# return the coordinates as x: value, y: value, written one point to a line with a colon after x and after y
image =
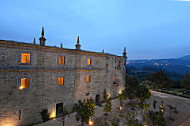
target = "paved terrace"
x: 181, y: 118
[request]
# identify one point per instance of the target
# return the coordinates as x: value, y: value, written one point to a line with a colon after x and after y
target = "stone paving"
x: 183, y: 115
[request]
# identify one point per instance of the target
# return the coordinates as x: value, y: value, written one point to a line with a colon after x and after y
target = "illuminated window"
x: 61, y: 60
x: 60, y: 81
x: 114, y: 77
x: 25, y: 83
x: 119, y: 63
x: 87, y: 78
x: 25, y: 57
x: 88, y: 61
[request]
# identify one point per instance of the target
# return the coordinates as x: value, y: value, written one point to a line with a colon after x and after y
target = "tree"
x: 121, y: 96
x: 131, y: 121
x: 154, y: 104
x: 156, y: 118
x: 142, y: 93
x: 161, y: 80
x: 130, y: 94
x: 85, y: 110
x: 65, y: 112
x: 107, y: 106
x: 162, y: 106
x: 149, y: 84
x: 115, y: 121
x: 171, y: 108
x: 185, y: 82
x: 144, y: 110
x: 132, y: 83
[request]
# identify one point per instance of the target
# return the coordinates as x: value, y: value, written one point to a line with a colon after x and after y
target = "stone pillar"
x: 42, y: 39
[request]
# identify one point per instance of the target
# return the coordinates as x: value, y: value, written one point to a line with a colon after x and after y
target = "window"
x: 61, y: 60
x: 25, y: 83
x: 88, y: 78
x: 19, y: 115
x: 114, y: 78
x: 119, y: 63
x: 60, y: 81
x: 88, y: 61
x: 25, y: 57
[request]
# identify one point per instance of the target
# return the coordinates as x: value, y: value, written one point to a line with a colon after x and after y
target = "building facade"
x: 36, y: 77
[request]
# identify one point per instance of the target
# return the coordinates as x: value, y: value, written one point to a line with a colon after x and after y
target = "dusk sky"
x: 148, y: 28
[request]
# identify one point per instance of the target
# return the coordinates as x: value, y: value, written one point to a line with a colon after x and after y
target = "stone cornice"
x: 49, y: 48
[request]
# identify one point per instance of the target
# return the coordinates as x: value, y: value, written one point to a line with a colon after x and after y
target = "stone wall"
x: 43, y: 71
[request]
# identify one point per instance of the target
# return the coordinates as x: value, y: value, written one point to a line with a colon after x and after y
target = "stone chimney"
x: 42, y: 39
x: 78, y: 45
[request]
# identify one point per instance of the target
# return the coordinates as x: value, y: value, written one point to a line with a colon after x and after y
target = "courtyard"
x: 182, y: 115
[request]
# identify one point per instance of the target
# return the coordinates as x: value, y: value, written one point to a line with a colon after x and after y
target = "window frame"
x: 90, y: 61
x: 63, y: 81
x: 119, y: 63
x: 21, y: 58
x: 20, y: 79
x: 114, y: 79
x: 62, y: 57
x: 89, y: 78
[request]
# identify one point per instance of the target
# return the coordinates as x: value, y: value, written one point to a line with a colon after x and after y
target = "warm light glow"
x: 114, y: 77
x: 118, y: 63
x: 25, y: 83
x: 90, y: 122
x: 88, y: 78
x: 8, y: 125
x: 162, y: 110
x: 120, y: 91
x: 21, y: 87
x: 53, y: 114
x: 120, y: 108
x: 25, y: 57
x: 88, y: 61
x: 109, y: 95
x: 60, y: 80
x: 61, y: 60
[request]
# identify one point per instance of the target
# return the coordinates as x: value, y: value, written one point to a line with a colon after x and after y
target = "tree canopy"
x: 161, y: 79
x: 85, y: 110
x: 185, y: 82
x: 142, y: 93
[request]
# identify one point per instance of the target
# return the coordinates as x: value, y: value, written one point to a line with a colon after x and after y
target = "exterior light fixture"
x: 21, y: 87
x: 90, y: 122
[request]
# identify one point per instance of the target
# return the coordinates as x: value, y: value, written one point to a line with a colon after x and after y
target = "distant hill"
x: 175, y: 67
x: 186, y: 58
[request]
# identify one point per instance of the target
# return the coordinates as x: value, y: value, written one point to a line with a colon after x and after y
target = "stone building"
x: 36, y: 77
